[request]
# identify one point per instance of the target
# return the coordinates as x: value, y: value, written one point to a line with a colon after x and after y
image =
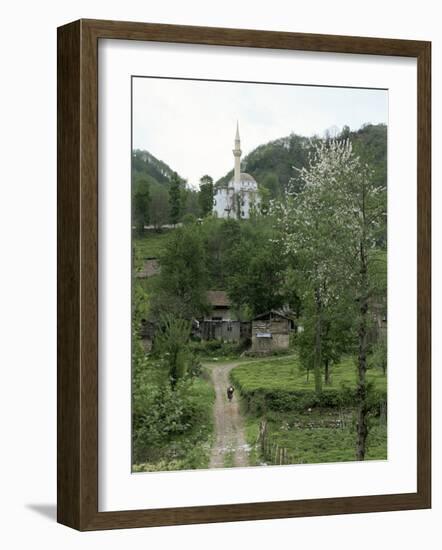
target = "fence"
x: 271, y: 452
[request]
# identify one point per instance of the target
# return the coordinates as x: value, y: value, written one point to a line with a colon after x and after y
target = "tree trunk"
x: 327, y: 372
x: 318, y: 343
x: 362, y: 409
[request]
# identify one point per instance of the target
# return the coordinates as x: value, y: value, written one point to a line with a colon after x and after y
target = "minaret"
x: 237, y: 155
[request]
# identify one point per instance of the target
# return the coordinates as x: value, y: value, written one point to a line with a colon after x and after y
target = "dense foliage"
x: 171, y: 398
x: 242, y: 258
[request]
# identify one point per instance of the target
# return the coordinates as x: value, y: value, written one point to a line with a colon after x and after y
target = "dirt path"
x: 230, y: 447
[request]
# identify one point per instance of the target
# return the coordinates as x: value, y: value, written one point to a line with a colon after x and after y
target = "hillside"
x: 271, y: 164
x: 155, y: 170
x: 152, y: 177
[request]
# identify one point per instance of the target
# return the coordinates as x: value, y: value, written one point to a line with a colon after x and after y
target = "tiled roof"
x: 218, y: 298
x: 272, y: 313
x: 150, y: 268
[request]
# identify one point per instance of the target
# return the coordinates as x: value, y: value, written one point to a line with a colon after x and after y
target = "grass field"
x: 151, y: 244
x: 316, y: 445
x: 308, y: 441
x: 284, y: 374
x: 309, y: 431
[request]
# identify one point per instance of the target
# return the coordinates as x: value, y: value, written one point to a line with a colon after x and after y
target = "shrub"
x: 171, y: 425
x: 194, y: 367
x: 159, y: 415
x: 260, y: 401
x: 215, y: 348
x: 277, y: 385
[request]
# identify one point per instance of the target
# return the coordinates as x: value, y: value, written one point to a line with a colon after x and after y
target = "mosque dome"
x: 245, y: 178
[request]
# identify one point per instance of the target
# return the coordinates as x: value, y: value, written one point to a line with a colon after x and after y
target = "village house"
x: 271, y: 332
x: 218, y: 323
x: 220, y: 306
x: 151, y: 267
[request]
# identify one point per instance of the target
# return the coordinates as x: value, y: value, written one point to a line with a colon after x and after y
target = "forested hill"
x: 152, y: 189
x: 272, y: 164
x: 145, y: 165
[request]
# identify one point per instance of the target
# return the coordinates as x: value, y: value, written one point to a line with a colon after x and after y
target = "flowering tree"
x: 331, y: 227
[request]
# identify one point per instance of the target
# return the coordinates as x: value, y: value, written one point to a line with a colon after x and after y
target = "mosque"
x: 240, y: 196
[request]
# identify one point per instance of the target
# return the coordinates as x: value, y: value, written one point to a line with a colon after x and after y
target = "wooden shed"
x: 226, y: 331
x: 270, y: 332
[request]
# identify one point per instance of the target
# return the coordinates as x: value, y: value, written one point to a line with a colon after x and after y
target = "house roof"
x: 272, y: 312
x: 218, y: 298
x: 151, y: 267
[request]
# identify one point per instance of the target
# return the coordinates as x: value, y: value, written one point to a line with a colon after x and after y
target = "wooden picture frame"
x: 78, y: 274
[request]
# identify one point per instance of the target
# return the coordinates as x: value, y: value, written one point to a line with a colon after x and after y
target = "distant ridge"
x: 145, y: 164
x: 271, y: 164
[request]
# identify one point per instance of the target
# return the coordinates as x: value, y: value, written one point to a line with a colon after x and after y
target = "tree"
x: 378, y: 354
x: 188, y: 219
x: 189, y: 202
x: 264, y: 195
x: 272, y: 185
x: 337, y: 336
x: 364, y: 210
x: 333, y: 225
x: 255, y: 268
x: 159, y: 206
x: 141, y: 204
x: 172, y: 343
x: 175, y: 199
x: 219, y: 237
x: 345, y: 132
x: 255, y: 278
x: 181, y: 285
x: 308, y: 229
x: 205, y: 196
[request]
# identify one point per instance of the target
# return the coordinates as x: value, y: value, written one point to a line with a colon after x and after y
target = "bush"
x: 270, y: 353
x: 215, y: 348
x: 277, y: 385
x: 160, y: 414
x: 171, y: 426
x: 260, y: 401
x: 194, y: 367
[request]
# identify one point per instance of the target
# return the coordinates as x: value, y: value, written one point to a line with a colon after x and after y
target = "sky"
x: 190, y: 125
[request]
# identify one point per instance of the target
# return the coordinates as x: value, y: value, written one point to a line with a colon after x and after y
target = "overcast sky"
x: 191, y: 124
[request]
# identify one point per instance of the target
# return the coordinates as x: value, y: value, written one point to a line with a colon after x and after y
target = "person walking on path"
x: 230, y: 391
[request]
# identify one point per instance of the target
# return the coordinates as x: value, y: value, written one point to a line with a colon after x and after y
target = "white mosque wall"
x: 222, y: 203
x: 226, y: 200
